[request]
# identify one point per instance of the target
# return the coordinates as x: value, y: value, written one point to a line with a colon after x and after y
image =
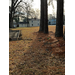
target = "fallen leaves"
x: 37, y: 53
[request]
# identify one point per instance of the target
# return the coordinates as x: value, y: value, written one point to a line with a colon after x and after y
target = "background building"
x: 52, y: 22
x: 31, y: 23
x: 34, y: 22
x: 49, y: 16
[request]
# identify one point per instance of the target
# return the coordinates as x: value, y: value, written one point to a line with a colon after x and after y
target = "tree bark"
x: 11, y: 23
x: 64, y: 35
x: 59, y: 21
x: 9, y: 20
x: 42, y: 17
x: 45, y: 17
x: 11, y: 15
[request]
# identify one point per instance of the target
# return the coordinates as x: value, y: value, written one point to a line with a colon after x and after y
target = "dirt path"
x: 37, y: 53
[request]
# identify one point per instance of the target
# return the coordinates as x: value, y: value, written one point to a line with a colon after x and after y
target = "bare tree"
x: 18, y: 6
x: 27, y: 8
x: 32, y: 13
x: 35, y: 13
x: 14, y: 5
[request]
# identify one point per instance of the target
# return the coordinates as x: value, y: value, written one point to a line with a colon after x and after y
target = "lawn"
x: 37, y: 53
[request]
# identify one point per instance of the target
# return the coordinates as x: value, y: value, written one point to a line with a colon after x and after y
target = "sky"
x: 36, y: 4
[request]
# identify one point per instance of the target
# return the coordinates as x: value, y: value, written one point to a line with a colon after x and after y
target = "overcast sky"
x: 36, y: 5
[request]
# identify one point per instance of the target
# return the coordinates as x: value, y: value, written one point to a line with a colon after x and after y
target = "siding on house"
x: 14, y: 24
x: 34, y: 22
x: 23, y: 25
x: 52, y: 22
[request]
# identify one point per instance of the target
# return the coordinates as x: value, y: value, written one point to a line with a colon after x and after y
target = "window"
x: 38, y: 24
x: 32, y: 24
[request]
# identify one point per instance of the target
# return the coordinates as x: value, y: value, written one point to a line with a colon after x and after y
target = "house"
x: 14, y: 24
x: 52, y: 21
x: 23, y: 24
x: 31, y: 23
x: 34, y: 22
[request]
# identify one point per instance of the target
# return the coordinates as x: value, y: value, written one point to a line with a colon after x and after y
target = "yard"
x: 37, y: 53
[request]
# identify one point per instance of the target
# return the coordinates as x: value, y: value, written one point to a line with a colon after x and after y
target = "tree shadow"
x: 50, y: 42
x: 44, y: 55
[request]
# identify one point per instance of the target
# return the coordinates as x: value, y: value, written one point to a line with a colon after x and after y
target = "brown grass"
x: 37, y: 53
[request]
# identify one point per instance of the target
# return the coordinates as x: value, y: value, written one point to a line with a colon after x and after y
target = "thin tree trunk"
x: 27, y: 19
x: 59, y: 21
x: 27, y: 16
x: 11, y: 23
x: 18, y: 21
x: 45, y: 17
x: 42, y: 17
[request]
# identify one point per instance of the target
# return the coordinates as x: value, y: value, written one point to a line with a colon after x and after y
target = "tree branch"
x: 15, y: 2
x: 18, y: 4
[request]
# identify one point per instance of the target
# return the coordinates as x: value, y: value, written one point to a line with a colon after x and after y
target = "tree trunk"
x: 11, y: 15
x: 45, y: 17
x: 64, y: 35
x: 42, y: 16
x: 59, y: 21
x: 27, y: 19
x: 11, y: 21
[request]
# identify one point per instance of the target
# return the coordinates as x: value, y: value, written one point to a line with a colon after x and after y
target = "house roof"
x: 23, y: 22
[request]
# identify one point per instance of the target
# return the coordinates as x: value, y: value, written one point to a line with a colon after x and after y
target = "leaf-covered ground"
x: 37, y: 53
